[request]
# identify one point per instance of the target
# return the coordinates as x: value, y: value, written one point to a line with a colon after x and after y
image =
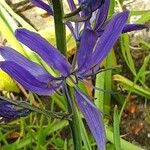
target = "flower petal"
x: 84, y: 54
x: 127, y: 28
x: 93, y: 118
x: 48, y: 53
x: 26, y: 79
x: 75, y: 30
x: 102, y: 15
x: 134, y: 27
x: 71, y: 28
x: 41, y: 4
x: 9, y: 111
x: 36, y: 70
x: 108, y: 38
x: 71, y: 4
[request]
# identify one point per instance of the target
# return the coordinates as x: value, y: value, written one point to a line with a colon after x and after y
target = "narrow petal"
x: 93, y: 118
x: 78, y: 26
x: 41, y: 4
x: 84, y: 54
x: 102, y: 15
x: 48, y: 53
x: 127, y: 28
x: 71, y: 28
x: 9, y: 112
x: 71, y: 4
x: 26, y: 79
x: 108, y: 38
x: 134, y: 27
x: 36, y: 70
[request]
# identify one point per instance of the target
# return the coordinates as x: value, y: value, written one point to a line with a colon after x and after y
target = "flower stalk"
x: 60, y: 30
x: 74, y: 125
x: 60, y: 33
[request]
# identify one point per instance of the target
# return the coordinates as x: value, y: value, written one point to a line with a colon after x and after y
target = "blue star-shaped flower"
x: 92, y: 51
x: 93, y: 12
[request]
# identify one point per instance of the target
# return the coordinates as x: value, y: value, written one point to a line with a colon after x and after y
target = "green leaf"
x: 84, y: 134
x: 8, y: 34
x: 116, y: 129
x: 141, y: 73
x: 99, y: 95
x: 131, y: 86
x: 139, y: 13
x: 144, y: 18
x: 125, y: 145
x: 124, y: 41
x: 7, y: 84
x: 16, y: 16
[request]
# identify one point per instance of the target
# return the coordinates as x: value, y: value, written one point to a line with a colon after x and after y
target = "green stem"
x: 74, y: 125
x: 111, y: 8
x: 75, y: 128
x: 60, y: 33
x: 60, y: 30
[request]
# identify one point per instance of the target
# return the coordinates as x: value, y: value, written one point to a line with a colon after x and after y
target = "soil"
x: 135, y: 123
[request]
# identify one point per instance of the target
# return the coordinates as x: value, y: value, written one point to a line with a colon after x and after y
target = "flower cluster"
x: 93, y: 15
x: 95, y: 43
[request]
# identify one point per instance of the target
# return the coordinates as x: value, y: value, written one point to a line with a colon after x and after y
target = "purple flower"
x: 93, y: 118
x: 87, y: 7
x: 90, y: 6
x: 99, y: 18
x: 9, y: 111
x: 101, y: 21
x: 41, y: 4
x: 92, y: 11
x: 91, y: 53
